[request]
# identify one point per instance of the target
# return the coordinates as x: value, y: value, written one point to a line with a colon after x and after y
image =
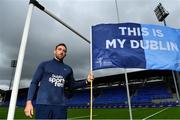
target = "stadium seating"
x: 117, y: 97
x: 151, y: 91
x: 149, y: 95
x: 79, y: 98
x: 112, y: 95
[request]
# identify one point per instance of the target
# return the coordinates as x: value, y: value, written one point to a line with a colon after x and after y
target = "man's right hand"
x: 29, y: 109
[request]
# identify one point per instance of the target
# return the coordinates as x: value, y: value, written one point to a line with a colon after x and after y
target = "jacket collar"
x: 57, y: 60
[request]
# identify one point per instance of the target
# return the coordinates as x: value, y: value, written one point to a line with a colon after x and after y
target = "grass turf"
x: 116, y: 113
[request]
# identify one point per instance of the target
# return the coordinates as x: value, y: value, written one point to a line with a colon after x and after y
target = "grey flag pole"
x: 125, y: 73
x: 20, y: 60
x: 59, y: 20
x: 128, y: 95
x: 175, y: 84
x: 161, y: 14
x: 173, y: 72
x: 66, y: 25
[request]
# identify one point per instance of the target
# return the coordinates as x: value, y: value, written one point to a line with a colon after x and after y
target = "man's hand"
x: 90, y: 77
x: 29, y: 109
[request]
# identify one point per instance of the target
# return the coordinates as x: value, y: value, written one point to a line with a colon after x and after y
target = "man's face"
x: 60, y: 52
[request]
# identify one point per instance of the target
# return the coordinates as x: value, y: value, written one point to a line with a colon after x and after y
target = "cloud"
x: 6, y: 83
x: 45, y: 32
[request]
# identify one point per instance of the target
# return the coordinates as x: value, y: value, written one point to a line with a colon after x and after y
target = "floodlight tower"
x: 161, y: 14
x: 13, y: 66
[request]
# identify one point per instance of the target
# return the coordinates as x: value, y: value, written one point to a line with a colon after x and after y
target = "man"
x: 52, y: 77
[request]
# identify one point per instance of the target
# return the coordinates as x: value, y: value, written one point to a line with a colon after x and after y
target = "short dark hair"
x: 61, y: 44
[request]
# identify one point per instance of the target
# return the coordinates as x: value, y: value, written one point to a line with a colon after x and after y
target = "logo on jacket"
x: 57, y: 80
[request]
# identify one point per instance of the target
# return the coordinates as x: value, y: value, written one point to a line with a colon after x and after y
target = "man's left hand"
x: 90, y: 77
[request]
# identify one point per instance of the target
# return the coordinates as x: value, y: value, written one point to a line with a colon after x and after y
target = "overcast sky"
x: 45, y: 32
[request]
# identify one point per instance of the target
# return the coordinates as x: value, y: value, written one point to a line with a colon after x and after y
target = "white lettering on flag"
x: 144, y: 44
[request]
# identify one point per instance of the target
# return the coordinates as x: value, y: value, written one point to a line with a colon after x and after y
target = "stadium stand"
x: 147, y: 89
x: 112, y: 95
x: 2, y: 95
x: 150, y: 92
x: 79, y: 98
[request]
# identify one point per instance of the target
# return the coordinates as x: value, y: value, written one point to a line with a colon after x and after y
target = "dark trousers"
x: 51, y: 112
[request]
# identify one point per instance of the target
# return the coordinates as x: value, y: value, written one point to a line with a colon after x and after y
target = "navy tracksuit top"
x: 52, y: 77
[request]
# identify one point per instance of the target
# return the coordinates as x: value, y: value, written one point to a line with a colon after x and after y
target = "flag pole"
x: 173, y: 72
x: 20, y: 60
x: 125, y: 72
x: 128, y: 95
x: 91, y: 83
x: 176, y: 88
x: 91, y: 100
x: 59, y: 20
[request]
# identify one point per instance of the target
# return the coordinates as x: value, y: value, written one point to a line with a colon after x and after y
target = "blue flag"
x: 133, y: 45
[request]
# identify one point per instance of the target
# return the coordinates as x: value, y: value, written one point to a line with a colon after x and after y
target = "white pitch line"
x: 80, y: 117
x: 156, y: 113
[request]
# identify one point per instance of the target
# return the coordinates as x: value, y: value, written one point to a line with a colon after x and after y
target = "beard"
x: 59, y: 58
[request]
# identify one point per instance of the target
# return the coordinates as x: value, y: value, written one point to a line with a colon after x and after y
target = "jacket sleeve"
x: 72, y: 84
x: 35, y: 81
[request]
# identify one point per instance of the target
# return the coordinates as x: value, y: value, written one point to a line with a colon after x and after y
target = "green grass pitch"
x: 116, y: 113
